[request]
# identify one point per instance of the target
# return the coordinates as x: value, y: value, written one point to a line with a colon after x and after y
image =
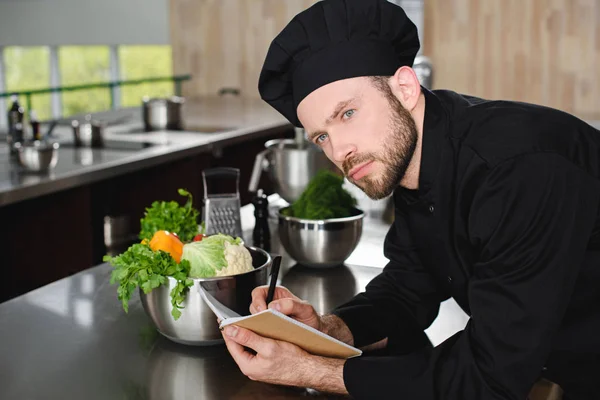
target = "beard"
x: 398, y: 150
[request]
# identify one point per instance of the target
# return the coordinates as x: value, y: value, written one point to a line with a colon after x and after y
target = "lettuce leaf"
x: 207, y: 256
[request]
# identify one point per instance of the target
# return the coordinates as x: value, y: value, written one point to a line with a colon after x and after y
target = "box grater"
x: 222, y: 211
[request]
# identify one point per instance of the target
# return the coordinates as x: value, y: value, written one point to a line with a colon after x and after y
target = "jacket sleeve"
x: 401, y: 302
x: 530, y: 222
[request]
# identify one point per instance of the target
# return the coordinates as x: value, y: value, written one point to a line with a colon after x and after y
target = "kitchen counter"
x: 210, y: 124
x: 71, y: 339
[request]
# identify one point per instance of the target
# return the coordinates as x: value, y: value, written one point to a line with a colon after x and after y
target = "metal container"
x: 88, y: 132
x: 37, y: 156
x: 291, y: 165
x: 198, y: 324
x: 320, y: 243
x: 118, y: 234
x: 162, y: 113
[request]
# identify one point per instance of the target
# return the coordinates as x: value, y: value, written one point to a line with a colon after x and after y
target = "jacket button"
x: 431, y: 208
x: 449, y: 279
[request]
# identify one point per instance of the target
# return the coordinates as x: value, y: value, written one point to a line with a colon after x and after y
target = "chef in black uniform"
x: 496, y: 206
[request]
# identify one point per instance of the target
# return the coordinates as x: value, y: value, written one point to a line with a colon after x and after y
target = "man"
x: 496, y: 205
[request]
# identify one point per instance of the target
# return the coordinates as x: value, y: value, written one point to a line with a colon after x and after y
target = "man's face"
x: 362, y: 128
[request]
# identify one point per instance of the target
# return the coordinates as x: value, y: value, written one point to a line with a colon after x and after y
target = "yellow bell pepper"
x: 168, y: 242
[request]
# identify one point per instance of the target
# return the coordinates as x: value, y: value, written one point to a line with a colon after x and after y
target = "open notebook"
x: 275, y: 325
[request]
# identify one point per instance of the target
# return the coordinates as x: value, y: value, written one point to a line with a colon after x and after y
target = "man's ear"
x: 406, y: 87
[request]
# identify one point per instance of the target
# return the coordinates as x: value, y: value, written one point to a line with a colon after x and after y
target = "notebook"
x: 275, y: 325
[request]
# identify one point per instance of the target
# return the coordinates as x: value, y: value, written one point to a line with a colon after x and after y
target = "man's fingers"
x: 241, y: 357
x: 247, y: 338
x: 292, y: 307
x: 259, y: 296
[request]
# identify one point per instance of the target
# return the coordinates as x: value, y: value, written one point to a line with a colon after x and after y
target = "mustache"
x: 350, y: 163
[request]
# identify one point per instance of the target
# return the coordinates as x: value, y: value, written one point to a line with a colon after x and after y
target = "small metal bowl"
x: 37, y: 156
x: 320, y: 243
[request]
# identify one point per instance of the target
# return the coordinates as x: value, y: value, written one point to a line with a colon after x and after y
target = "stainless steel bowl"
x: 320, y: 243
x: 37, y: 156
x: 198, y: 324
x: 291, y: 165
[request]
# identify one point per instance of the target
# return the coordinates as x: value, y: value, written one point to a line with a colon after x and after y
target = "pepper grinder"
x: 261, y: 236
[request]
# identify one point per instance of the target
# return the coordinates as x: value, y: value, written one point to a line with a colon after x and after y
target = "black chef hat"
x: 334, y: 40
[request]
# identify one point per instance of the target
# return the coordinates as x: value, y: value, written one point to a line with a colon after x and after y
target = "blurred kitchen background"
x: 66, y: 59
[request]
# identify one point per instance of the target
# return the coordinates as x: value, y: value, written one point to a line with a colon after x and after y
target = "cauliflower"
x: 238, y: 259
x: 217, y: 255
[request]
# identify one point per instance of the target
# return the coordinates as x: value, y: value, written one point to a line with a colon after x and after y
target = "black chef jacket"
x: 506, y: 222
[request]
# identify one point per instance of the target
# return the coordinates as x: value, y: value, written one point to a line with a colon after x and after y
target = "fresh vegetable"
x: 139, y: 266
x: 323, y: 198
x: 207, y: 256
x: 238, y: 260
x: 170, y: 216
x: 199, y: 237
x: 167, y: 242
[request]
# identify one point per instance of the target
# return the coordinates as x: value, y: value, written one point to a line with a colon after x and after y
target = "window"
x: 137, y: 62
x: 28, y: 68
x: 81, y: 65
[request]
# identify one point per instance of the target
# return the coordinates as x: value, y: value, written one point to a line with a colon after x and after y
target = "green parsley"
x: 170, y: 216
x: 139, y: 266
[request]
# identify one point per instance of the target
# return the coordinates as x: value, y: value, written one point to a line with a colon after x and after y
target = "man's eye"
x: 348, y: 113
x: 321, y: 138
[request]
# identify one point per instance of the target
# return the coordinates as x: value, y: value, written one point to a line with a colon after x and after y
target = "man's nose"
x: 342, y: 148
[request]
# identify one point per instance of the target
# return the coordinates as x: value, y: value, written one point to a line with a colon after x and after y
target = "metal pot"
x: 162, y: 113
x: 291, y: 164
x: 88, y: 133
x: 198, y: 324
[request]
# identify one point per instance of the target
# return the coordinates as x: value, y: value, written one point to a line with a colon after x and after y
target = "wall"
x: 540, y: 51
x: 85, y: 22
x: 223, y: 43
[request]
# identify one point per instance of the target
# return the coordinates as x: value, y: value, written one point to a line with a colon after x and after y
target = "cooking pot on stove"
x: 291, y: 164
x: 162, y: 113
x: 88, y: 132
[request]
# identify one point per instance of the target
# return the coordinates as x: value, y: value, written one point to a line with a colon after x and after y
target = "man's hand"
x: 286, y: 303
x: 289, y: 304
x: 283, y: 363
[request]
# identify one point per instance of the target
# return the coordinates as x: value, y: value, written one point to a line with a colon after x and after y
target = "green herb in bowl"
x: 323, y: 198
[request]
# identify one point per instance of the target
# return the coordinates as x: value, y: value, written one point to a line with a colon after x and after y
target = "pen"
x: 274, y: 274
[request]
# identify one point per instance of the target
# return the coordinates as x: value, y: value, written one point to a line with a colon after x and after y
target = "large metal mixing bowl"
x: 291, y: 165
x: 320, y: 243
x: 198, y: 324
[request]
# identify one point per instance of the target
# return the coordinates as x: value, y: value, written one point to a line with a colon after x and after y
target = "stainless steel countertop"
x: 72, y: 340
x: 239, y: 119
